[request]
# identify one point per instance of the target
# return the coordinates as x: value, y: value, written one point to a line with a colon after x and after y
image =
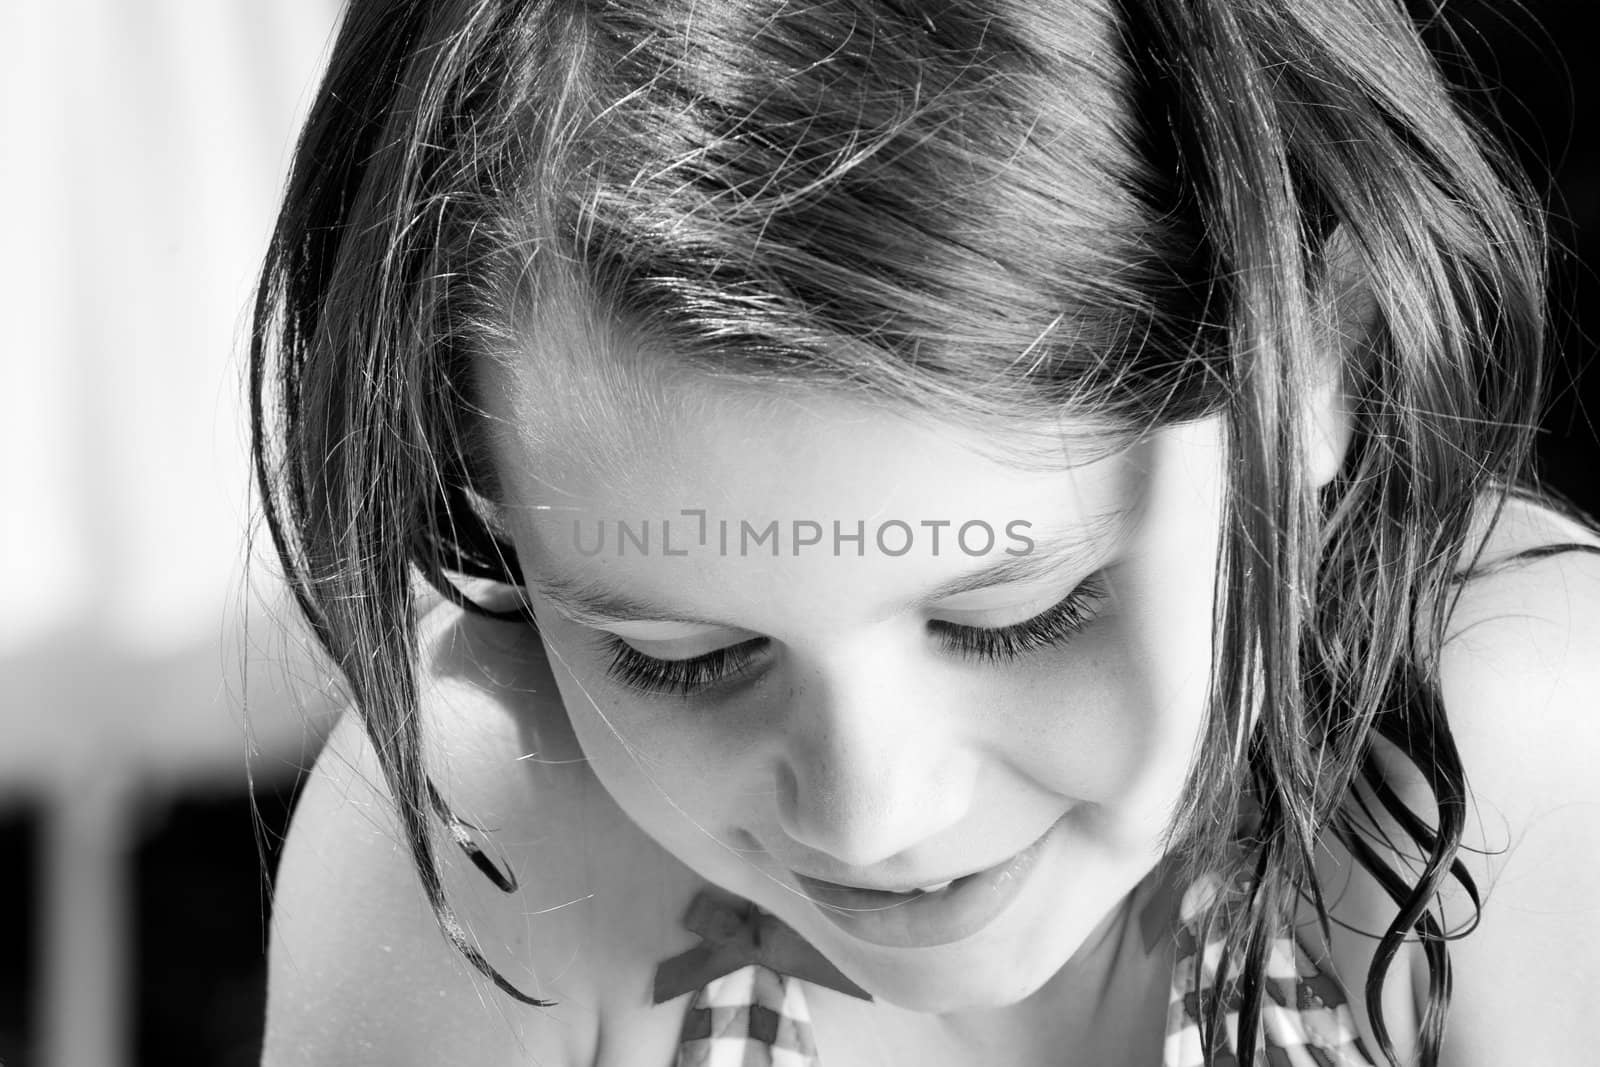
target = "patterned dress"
x: 756, y: 1017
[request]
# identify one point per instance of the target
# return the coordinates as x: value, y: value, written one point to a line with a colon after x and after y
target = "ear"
x: 1328, y: 420
x: 1348, y: 312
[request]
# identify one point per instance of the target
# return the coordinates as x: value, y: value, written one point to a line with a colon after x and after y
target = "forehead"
x: 713, y: 458
x: 654, y: 438
x: 574, y: 471
x: 580, y: 381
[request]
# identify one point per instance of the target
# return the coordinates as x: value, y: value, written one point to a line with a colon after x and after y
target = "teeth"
x: 936, y: 886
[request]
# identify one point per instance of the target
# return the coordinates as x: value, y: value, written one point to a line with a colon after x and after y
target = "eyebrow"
x: 589, y: 602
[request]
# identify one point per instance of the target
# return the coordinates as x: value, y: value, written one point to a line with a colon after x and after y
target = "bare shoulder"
x: 359, y: 971
x: 1529, y: 610
x: 1520, y: 671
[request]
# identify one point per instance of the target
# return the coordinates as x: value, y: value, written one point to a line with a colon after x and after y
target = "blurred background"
x: 144, y: 144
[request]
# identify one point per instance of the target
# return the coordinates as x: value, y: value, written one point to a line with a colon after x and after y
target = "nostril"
x: 745, y: 841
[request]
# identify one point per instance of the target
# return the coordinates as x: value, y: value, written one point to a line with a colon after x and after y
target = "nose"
x: 870, y: 768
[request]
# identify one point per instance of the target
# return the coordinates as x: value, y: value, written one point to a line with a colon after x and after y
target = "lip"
x: 922, y: 920
x: 822, y: 885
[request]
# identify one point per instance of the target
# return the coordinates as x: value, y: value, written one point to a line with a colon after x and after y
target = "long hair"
x: 988, y: 209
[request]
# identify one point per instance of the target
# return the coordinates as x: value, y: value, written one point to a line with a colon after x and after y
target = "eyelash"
x: 1051, y: 628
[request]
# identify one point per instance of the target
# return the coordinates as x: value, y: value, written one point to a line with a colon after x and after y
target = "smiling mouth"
x: 937, y: 913
x: 854, y: 897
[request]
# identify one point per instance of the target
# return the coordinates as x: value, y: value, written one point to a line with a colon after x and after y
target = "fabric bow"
x: 734, y: 933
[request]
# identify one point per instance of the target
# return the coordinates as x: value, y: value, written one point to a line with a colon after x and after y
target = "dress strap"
x: 753, y: 1017
x: 1305, y: 1014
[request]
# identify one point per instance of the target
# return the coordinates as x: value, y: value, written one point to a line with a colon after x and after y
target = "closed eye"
x: 1052, y: 628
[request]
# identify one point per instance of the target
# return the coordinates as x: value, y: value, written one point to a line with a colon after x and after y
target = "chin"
x: 946, y: 994
x: 950, y: 978
x: 998, y: 968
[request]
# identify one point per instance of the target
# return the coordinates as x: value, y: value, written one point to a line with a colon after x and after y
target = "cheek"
x: 1105, y: 722
x: 1166, y: 645
x: 668, y: 764
x: 1114, y: 719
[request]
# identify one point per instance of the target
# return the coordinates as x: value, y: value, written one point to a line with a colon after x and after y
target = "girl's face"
x: 827, y: 656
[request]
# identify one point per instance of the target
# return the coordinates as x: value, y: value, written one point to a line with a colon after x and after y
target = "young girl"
x: 965, y: 532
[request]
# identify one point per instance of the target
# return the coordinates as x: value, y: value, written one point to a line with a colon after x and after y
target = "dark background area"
x: 199, y: 884
x: 1537, y: 61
